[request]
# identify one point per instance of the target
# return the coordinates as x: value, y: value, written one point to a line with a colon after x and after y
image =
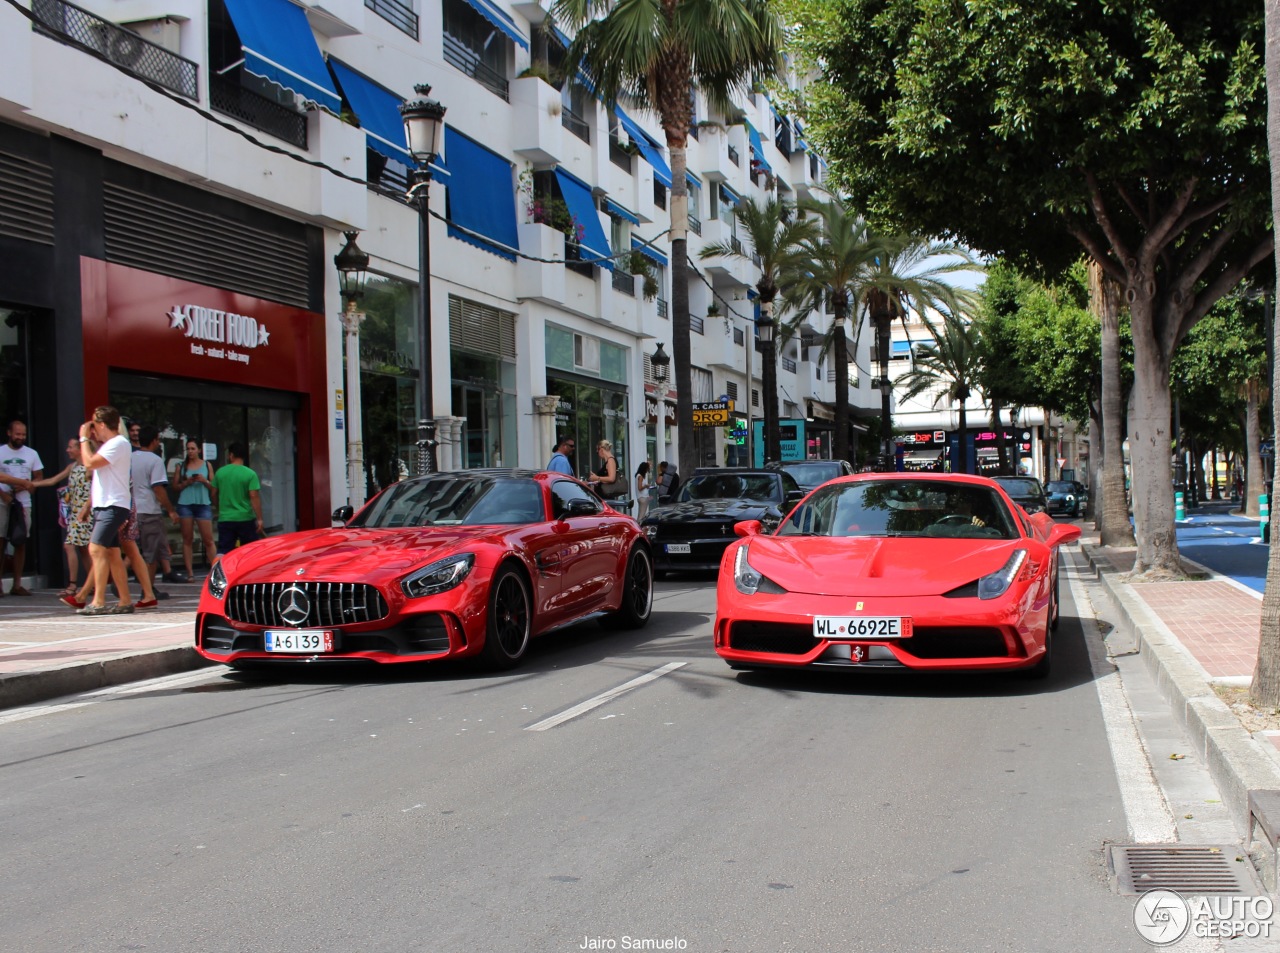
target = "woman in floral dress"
x: 73, y: 513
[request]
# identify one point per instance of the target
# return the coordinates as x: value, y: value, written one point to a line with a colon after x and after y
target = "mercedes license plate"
x: 306, y: 641
x: 680, y: 548
x: 839, y: 628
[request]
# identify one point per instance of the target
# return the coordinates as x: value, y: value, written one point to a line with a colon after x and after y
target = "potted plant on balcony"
x: 637, y: 263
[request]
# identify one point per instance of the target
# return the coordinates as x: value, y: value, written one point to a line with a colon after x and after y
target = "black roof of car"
x: 736, y: 471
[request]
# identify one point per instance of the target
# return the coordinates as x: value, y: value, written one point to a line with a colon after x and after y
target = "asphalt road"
x: 399, y: 811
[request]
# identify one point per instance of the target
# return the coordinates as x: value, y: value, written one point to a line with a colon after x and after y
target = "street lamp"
x: 886, y: 391
x: 769, y: 380
x: 423, y: 128
x: 353, y: 271
x: 661, y: 364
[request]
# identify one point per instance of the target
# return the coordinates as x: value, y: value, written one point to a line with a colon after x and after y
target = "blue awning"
x: 729, y: 195
x: 378, y: 110
x: 613, y: 208
x: 649, y: 252
x: 901, y: 347
x: 649, y: 148
x: 692, y: 179
x: 499, y: 18
x: 279, y: 46
x: 577, y: 195
x: 482, y: 195
x: 758, y: 148
x: 800, y: 143
x: 752, y: 294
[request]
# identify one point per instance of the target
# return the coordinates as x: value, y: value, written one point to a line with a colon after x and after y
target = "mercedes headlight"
x: 748, y: 579
x: 998, y: 582
x: 440, y: 576
x: 217, y: 581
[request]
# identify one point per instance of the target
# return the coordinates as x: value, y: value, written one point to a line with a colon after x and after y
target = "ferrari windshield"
x: 762, y: 487
x: 902, y: 508
x: 448, y: 500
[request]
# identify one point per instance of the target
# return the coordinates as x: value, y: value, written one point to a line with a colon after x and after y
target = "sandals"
x: 19, y: 591
x: 70, y: 591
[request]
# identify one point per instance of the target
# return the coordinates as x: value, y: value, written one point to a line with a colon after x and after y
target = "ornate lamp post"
x: 424, y: 127
x: 886, y: 393
x: 353, y: 271
x: 769, y: 381
x: 661, y: 374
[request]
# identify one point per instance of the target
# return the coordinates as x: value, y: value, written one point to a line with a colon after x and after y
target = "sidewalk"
x: 47, y: 651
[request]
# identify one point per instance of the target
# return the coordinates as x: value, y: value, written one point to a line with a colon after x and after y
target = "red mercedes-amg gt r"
x: 902, y: 571
x: 450, y: 565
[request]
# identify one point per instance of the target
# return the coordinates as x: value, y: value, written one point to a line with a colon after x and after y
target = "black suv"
x: 1026, y: 491
x: 812, y: 473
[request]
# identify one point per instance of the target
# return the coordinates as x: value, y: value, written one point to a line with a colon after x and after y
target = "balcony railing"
x: 67, y: 23
x: 575, y: 124
x: 399, y: 15
x: 573, y: 260
x: 697, y: 324
x: 788, y: 365
x: 228, y: 97
x: 659, y: 195
x: 663, y: 311
x: 733, y: 156
x: 460, y: 56
x: 624, y: 282
x: 695, y: 224
x: 736, y: 243
x: 618, y: 155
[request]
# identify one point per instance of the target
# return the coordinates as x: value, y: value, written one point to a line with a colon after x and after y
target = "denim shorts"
x: 195, y: 511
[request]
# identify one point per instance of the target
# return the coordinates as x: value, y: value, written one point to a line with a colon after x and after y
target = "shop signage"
x: 713, y: 413
x: 213, y: 326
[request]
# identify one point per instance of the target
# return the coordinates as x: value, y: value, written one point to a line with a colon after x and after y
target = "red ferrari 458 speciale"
x: 451, y: 565
x: 898, y: 571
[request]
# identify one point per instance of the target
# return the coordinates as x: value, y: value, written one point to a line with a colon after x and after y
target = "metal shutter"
x: 26, y: 199
x: 482, y: 329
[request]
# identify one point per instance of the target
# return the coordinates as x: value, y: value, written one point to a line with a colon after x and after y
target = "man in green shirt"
x: 235, y: 494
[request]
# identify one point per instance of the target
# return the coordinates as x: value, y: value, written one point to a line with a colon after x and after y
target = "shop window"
x: 389, y: 380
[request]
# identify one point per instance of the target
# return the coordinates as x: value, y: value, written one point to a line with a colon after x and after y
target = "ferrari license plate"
x: 838, y: 628
x: 307, y: 641
x: 679, y: 548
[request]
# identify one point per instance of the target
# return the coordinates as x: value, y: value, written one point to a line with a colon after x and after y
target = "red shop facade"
x: 218, y: 367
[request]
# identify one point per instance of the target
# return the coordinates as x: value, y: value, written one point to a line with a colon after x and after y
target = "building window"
x: 755, y: 397
x: 472, y: 45
x: 398, y: 13
x: 731, y: 389
x: 250, y: 99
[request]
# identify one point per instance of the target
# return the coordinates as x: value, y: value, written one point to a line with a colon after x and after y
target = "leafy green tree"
x: 1038, y: 129
x: 949, y: 366
x: 655, y: 53
x: 776, y: 235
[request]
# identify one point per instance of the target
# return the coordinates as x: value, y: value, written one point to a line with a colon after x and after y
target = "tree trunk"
x: 681, y: 351
x: 882, y: 321
x: 1150, y: 453
x: 1002, y: 449
x: 1113, y: 513
x: 1214, y: 492
x: 1254, y: 478
x: 840, y: 356
x: 964, y: 437
x: 1265, y: 689
x: 1094, y: 477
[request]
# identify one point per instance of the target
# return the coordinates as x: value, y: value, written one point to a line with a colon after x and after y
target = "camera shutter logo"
x: 1161, y: 917
x: 294, y: 606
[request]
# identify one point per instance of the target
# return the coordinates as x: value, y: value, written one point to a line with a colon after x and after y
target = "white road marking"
x: 103, y: 694
x: 1147, y: 813
x: 583, y: 707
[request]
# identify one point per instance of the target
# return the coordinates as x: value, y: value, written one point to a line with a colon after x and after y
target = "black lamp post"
x: 424, y: 128
x: 353, y: 271
x: 769, y: 381
x: 886, y: 393
x: 661, y: 363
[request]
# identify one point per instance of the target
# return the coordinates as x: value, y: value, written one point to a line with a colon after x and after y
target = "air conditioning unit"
x: 586, y: 353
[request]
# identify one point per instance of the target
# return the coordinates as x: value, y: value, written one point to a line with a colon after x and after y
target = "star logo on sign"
x: 263, y: 335
x: 176, y: 319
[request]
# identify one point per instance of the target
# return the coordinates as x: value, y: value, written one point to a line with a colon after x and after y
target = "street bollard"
x: 1179, y: 507
x: 1264, y: 517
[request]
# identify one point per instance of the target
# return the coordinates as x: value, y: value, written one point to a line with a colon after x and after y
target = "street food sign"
x: 713, y: 413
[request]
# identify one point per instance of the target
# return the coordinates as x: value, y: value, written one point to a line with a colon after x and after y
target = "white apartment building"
x: 176, y: 177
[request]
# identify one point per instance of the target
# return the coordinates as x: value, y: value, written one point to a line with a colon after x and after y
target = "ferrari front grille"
x: 305, y: 604
x: 787, y: 639
x: 957, y: 642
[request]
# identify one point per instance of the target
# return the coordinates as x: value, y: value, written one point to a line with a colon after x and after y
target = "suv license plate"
x: 680, y: 549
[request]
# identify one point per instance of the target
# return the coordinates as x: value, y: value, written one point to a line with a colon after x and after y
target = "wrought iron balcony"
x: 229, y: 97
x: 788, y: 365
x: 662, y: 308
x: 696, y: 324
x: 695, y: 224
x: 624, y: 282
x: 573, y: 260
x: 575, y: 124
x: 399, y: 15
x: 618, y: 154
x: 67, y: 23
x: 733, y: 156
x: 460, y: 56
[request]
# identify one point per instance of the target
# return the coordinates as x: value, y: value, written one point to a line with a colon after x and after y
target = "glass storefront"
x: 389, y: 381
x: 484, y: 394
x: 591, y: 412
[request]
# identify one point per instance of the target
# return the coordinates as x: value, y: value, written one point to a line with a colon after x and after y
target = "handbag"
x: 17, y: 523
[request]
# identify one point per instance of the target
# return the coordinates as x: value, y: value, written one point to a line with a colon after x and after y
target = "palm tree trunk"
x: 1104, y: 299
x: 840, y: 356
x: 1253, y: 480
x: 882, y: 321
x: 682, y: 353
x: 964, y: 437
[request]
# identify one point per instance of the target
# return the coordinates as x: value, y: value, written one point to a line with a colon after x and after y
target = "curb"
x: 27, y: 688
x: 1236, y: 761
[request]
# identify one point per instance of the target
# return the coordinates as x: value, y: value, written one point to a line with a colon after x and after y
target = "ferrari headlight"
x: 438, y: 577
x: 217, y: 581
x: 997, y: 584
x: 748, y: 579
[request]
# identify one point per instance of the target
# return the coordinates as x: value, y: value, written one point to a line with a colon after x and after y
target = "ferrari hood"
x: 347, y: 554
x: 876, y: 566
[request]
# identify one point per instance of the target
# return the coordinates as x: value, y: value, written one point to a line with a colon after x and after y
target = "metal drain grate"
x: 1137, y: 868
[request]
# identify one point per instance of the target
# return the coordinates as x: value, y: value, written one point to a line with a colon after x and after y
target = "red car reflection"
x: 894, y: 571
x: 452, y: 565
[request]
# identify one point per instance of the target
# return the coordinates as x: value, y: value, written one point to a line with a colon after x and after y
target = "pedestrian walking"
x: 668, y: 481
x: 192, y: 478
x: 561, y: 461
x: 642, y: 489
x: 237, y: 497
x: 110, y: 501
x: 19, y: 467
x: 73, y: 515
x: 151, y: 501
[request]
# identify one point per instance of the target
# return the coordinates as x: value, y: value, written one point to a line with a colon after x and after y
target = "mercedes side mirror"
x: 343, y: 513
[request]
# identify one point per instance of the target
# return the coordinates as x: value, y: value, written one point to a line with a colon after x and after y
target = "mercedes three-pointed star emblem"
x: 294, y: 606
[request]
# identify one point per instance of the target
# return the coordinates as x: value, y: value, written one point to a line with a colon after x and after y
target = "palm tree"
x: 950, y: 365
x: 836, y: 263
x: 776, y: 235
x: 910, y: 274
x: 655, y: 54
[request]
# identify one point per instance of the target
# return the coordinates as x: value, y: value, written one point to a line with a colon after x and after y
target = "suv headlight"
x: 217, y: 580
x: 748, y: 579
x: 440, y: 576
x: 998, y: 582
x: 651, y: 530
